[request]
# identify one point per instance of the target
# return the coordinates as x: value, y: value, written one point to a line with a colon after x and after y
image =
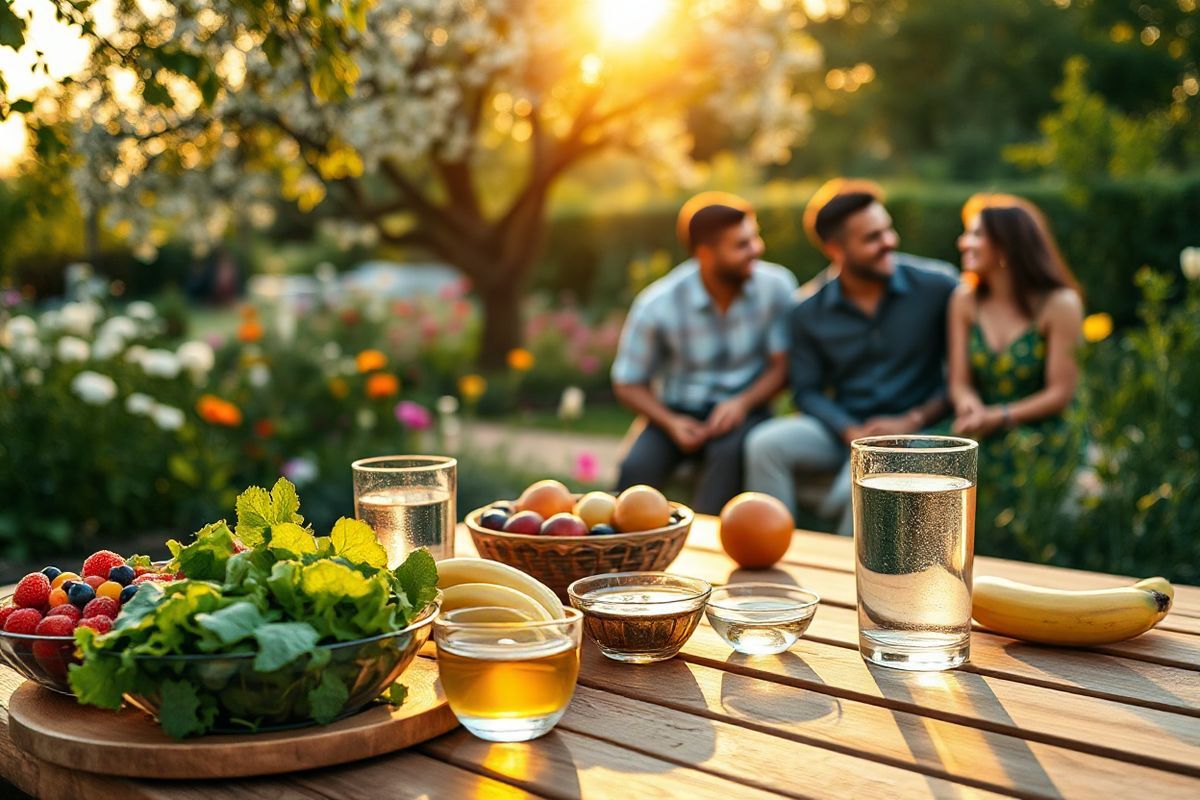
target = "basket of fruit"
x: 38, y: 620
x: 558, y: 537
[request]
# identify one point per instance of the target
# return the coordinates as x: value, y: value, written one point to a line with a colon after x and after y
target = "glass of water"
x: 409, y: 502
x: 914, y: 540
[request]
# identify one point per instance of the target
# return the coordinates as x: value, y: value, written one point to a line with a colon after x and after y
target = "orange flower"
x: 472, y: 387
x: 251, y: 330
x: 264, y: 428
x: 370, y: 360
x: 381, y: 384
x: 520, y: 359
x: 216, y: 411
x: 339, y: 388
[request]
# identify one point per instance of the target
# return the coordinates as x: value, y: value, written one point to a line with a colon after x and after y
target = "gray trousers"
x: 654, y: 458
x: 783, y: 450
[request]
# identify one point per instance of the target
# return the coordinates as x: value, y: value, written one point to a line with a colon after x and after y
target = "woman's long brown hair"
x: 1019, y: 231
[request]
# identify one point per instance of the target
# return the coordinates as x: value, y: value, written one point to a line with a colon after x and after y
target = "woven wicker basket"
x: 557, y: 561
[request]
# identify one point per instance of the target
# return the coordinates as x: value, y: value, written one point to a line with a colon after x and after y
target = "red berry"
x: 100, y: 624
x: 4, y: 614
x: 65, y: 610
x: 155, y: 577
x: 142, y: 570
x: 99, y: 563
x: 93, y: 581
x: 55, y: 625
x: 101, y: 607
x: 33, y: 591
x: 23, y: 620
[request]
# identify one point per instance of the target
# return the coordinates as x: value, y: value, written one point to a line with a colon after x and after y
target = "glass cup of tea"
x: 507, y: 678
x: 409, y: 502
x: 914, y: 541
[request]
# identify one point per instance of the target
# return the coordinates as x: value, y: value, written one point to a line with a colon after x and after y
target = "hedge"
x: 1106, y: 236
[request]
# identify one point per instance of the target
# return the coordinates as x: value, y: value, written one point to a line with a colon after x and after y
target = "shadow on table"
x: 537, y: 766
x: 929, y: 740
x: 771, y: 575
x: 756, y: 700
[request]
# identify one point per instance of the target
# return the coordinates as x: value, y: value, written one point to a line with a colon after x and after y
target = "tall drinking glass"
x: 409, y: 502
x: 914, y: 540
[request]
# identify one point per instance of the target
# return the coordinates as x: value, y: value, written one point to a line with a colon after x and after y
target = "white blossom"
x: 93, y: 388
x: 136, y: 353
x: 166, y: 417
x: 300, y: 471
x: 27, y: 350
x: 258, y: 375
x: 196, y: 357
x: 118, y: 327
x: 141, y: 311
x: 365, y: 419
x: 331, y: 351
x: 447, y: 405
x: 160, y: 363
x: 71, y: 349
x: 20, y: 327
x: 106, y: 347
x: 1189, y: 262
x: 139, y: 404
x: 32, y: 376
x: 570, y: 405
x: 79, y: 318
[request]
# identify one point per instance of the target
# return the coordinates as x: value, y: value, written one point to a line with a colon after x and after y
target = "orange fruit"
x: 547, y: 498
x: 596, y: 508
x: 62, y: 578
x: 756, y: 529
x: 641, y: 508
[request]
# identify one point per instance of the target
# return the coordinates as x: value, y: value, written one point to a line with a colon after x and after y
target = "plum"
x: 524, y: 522
x: 564, y: 525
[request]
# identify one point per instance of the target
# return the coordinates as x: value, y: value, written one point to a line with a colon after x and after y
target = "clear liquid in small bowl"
x: 760, y: 625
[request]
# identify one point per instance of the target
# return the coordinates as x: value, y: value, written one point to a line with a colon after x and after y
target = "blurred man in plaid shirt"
x: 703, y: 351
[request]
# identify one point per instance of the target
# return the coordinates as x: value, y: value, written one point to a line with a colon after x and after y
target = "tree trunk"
x: 503, y: 322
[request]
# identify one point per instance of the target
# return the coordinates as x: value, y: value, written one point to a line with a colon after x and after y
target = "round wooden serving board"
x: 55, y: 728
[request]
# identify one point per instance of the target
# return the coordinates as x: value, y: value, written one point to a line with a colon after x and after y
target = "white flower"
x: 259, y: 376
x: 160, y: 363
x: 106, y: 347
x: 447, y: 405
x: 93, y: 388
x: 79, y: 318
x: 139, y: 404
x: 332, y: 351
x: 366, y: 419
x: 32, y: 376
x: 141, y: 310
x: 196, y: 357
x: 300, y: 471
x: 118, y: 327
x: 570, y: 405
x: 29, y: 349
x: 71, y: 348
x: 136, y: 353
x: 51, y: 320
x: 20, y: 327
x: 1189, y: 262
x: 168, y: 418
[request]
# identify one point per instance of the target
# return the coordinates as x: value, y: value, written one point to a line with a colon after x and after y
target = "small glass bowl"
x: 761, y: 618
x: 42, y: 659
x: 639, y: 617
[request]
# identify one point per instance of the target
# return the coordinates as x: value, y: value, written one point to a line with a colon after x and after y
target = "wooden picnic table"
x: 1019, y: 720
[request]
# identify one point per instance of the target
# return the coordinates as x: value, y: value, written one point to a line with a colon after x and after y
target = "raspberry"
x: 101, y: 607
x: 99, y: 624
x: 100, y: 562
x: 4, y: 614
x: 23, y: 620
x: 65, y: 610
x: 33, y: 591
x: 156, y: 577
x: 55, y: 625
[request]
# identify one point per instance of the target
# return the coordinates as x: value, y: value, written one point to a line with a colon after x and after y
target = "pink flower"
x: 215, y: 340
x: 413, y: 415
x: 588, y: 364
x: 587, y: 468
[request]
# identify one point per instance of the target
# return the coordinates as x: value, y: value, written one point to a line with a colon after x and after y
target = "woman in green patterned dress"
x: 1013, y: 327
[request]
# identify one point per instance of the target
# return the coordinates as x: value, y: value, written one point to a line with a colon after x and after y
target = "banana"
x: 454, y: 571
x: 491, y: 595
x: 1073, y: 618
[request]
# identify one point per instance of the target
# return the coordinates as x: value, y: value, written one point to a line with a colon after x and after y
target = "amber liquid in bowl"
x: 641, y: 624
x: 482, y: 686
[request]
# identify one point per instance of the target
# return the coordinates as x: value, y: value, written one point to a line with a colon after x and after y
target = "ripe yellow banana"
x: 1073, y: 618
x: 491, y: 595
x: 454, y: 571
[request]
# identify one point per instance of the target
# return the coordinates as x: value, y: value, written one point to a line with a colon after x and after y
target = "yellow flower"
x: 1097, y: 327
x: 339, y: 388
x: 370, y: 360
x: 520, y: 359
x: 381, y: 384
x: 472, y: 387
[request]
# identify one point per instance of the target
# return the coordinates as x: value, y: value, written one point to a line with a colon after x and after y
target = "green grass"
x: 601, y: 420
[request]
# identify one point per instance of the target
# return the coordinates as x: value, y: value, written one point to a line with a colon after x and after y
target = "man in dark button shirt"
x: 867, y: 350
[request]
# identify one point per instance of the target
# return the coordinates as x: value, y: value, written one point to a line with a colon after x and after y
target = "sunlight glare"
x: 629, y: 20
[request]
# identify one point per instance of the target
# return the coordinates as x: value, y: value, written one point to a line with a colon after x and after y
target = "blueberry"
x: 80, y: 594
x: 493, y: 519
x: 602, y: 530
x: 127, y: 594
x: 124, y: 574
x: 51, y: 572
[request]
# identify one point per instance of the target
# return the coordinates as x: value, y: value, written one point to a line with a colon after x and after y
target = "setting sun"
x: 629, y: 20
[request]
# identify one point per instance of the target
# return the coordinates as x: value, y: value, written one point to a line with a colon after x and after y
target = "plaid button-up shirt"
x: 675, y: 335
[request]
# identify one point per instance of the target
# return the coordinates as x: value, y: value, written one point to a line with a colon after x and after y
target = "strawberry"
x: 23, y: 620
x: 65, y: 610
x: 100, y: 562
x: 4, y: 614
x: 100, y: 624
x: 101, y: 607
x: 55, y: 625
x: 33, y: 591
x: 156, y: 577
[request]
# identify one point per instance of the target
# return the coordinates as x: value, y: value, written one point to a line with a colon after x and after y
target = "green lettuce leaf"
x: 418, y: 578
x: 288, y: 540
x: 204, y: 559
x: 327, y: 698
x: 233, y: 623
x: 281, y: 643
x: 180, y: 713
x: 354, y: 541
x: 258, y: 510
x: 397, y: 693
